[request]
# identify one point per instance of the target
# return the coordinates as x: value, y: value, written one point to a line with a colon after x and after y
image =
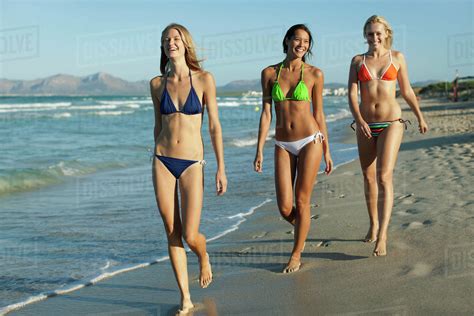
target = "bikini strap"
x: 279, y: 71
x: 390, y: 54
x: 166, y: 79
x: 364, y: 59
x: 302, y: 70
x: 352, y: 125
x: 190, y: 77
x: 404, y: 122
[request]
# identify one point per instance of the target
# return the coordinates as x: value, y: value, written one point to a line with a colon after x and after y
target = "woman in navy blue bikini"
x: 179, y: 97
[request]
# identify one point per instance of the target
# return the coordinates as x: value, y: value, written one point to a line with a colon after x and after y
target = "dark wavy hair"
x: 291, y: 32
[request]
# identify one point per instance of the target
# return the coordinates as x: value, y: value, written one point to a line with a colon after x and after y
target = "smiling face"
x: 173, y: 44
x: 299, y: 44
x: 376, y: 35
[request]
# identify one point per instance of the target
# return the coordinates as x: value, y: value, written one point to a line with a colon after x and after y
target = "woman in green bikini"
x: 378, y: 121
x: 301, y: 134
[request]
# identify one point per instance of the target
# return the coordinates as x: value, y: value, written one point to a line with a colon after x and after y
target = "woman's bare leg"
x: 388, y: 144
x: 367, y: 157
x: 191, y: 188
x: 167, y: 200
x: 285, y: 171
x: 308, y: 163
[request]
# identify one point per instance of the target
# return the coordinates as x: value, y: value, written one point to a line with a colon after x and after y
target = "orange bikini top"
x: 389, y: 74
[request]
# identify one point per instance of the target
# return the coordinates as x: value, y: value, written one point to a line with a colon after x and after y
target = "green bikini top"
x: 300, y: 94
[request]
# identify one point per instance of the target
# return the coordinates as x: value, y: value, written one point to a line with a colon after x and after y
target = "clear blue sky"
x: 238, y: 38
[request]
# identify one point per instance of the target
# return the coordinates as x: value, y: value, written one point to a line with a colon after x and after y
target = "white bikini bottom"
x: 296, y: 146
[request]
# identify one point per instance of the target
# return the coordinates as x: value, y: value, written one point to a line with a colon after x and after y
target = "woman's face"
x: 173, y: 44
x: 376, y: 35
x: 298, y: 44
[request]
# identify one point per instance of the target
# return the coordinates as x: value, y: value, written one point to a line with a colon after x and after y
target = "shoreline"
x: 247, y: 261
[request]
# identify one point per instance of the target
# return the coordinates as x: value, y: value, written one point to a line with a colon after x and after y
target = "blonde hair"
x: 388, y: 29
x: 190, y: 52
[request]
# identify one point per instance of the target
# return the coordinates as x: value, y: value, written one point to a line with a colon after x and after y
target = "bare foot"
x: 205, y: 277
x: 380, y: 248
x: 186, y: 306
x: 371, y: 234
x: 293, y: 265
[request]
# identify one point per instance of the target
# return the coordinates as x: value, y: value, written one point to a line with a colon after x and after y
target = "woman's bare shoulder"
x: 357, y: 59
x: 270, y: 71
x: 155, y: 82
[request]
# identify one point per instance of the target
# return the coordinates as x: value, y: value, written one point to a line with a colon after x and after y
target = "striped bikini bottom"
x: 377, y: 127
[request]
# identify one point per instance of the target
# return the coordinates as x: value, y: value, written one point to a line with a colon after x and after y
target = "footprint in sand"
x: 412, y: 225
x: 318, y: 244
x: 244, y: 251
x: 428, y: 222
x: 407, y: 201
x: 405, y: 196
x: 262, y: 234
x: 326, y: 243
x: 402, y: 213
x: 413, y: 211
x: 416, y: 224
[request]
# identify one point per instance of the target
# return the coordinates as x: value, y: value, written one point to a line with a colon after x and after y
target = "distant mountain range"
x: 105, y: 84
x: 96, y: 84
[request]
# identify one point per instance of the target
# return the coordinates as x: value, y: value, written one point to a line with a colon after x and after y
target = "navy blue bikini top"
x: 191, y: 106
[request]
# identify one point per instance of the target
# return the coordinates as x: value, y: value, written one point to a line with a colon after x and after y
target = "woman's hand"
x: 363, y: 128
x: 422, y: 126
x: 221, y: 182
x: 329, y: 164
x: 258, y: 162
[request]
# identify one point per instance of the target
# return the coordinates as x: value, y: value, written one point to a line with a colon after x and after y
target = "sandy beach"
x: 429, y: 268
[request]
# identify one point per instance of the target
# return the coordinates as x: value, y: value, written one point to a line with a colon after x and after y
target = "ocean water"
x: 76, y: 197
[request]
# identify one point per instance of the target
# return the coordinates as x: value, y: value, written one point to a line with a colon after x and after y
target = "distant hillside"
x: 60, y: 84
x: 240, y: 86
x: 444, y: 89
x: 423, y: 83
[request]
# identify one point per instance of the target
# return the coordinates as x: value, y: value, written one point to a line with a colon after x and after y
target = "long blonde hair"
x: 190, y: 52
x: 388, y: 29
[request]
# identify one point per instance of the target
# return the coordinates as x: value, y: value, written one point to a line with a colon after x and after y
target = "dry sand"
x: 429, y: 268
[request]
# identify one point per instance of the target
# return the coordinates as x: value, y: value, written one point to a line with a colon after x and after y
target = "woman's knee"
x: 191, y: 239
x: 302, y: 203
x: 285, y: 209
x: 370, y: 176
x: 385, y: 178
